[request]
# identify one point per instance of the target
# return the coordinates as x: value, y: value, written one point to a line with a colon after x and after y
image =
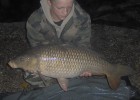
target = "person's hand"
x: 86, y: 74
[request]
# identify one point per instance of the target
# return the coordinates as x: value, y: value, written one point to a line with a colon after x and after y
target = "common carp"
x: 65, y: 61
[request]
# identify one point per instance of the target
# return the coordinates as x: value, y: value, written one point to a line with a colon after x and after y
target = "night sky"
x: 20, y: 10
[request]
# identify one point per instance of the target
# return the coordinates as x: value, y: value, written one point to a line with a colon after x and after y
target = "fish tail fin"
x: 123, y: 70
x: 114, y: 77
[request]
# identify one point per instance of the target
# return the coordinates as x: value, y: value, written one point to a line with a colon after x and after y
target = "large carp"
x: 64, y: 61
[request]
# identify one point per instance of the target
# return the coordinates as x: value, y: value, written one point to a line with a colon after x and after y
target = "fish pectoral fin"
x: 114, y: 82
x: 42, y: 78
x: 63, y: 83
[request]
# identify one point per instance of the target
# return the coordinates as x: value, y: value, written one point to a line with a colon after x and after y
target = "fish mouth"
x: 12, y: 64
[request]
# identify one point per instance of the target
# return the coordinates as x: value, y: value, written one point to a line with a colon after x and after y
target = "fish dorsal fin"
x: 114, y: 82
x: 63, y: 83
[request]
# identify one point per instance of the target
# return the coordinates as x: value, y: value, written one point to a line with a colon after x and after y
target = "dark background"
x: 113, y: 12
x: 17, y: 10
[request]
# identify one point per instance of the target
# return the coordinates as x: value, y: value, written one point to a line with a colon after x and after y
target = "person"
x: 57, y: 21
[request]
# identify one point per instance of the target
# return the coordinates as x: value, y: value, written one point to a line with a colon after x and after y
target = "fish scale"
x: 66, y: 61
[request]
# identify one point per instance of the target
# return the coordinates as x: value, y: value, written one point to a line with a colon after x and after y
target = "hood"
x: 46, y: 10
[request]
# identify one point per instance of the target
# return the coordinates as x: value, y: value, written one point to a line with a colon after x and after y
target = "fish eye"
x: 24, y: 58
x: 21, y: 58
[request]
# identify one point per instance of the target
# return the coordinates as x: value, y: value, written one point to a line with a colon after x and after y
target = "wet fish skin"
x: 65, y: 61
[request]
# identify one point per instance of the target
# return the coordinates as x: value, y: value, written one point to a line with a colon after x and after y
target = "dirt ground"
x: 117, y: 44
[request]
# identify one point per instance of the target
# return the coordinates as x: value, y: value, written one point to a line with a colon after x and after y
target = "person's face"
x: 60, y: 9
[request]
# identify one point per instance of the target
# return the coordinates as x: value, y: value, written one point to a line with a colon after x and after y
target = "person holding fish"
x: 58, y: 21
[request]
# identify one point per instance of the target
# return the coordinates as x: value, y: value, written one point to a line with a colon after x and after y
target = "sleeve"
x: 34, y: 36
x: 84, y: 33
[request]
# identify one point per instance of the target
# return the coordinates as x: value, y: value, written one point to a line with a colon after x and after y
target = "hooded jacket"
x: 75, y: 29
